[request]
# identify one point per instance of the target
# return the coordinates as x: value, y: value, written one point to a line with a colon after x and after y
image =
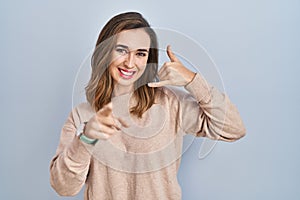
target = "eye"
x: 141, y: 54
x: 121, y: 51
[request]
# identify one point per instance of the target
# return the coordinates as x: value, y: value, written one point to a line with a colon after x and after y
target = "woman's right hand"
x: 103, y: 124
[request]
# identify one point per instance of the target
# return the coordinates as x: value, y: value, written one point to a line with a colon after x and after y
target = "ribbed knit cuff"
x: 78, y: 151
x: 199, y: 88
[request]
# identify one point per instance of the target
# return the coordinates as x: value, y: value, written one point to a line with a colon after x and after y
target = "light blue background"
x: 255, y: 45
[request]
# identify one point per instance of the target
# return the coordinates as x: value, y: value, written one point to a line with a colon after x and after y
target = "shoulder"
x: 84, y: 107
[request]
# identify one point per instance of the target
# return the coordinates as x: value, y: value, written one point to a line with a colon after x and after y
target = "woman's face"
x: 129, y: 57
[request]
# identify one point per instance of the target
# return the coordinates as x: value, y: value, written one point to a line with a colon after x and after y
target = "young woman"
x: 130, y: 140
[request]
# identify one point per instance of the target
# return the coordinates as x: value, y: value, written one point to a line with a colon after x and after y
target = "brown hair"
x: 100, y: 87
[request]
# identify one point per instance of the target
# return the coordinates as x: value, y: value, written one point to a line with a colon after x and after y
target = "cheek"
x: 143, y: 63
x: 142, y: 67
x: 116, y: 59
x: 110, y: 70
x: 110, y: 67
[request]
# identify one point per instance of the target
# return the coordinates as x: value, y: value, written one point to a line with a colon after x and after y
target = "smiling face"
x: 129, y: 58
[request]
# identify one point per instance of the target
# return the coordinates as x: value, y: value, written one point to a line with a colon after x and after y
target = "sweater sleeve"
x: 206, y: 112
x: 69, y: 167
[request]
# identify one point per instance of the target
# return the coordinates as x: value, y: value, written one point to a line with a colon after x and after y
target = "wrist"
x: 191, y: 77
x: 83, y: 137
x: 87, y: 140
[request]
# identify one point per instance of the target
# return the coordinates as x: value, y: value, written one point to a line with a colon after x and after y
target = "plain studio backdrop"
x: 255, y: 45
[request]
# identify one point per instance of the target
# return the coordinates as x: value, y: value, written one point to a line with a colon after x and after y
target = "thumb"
x: 171, y: 55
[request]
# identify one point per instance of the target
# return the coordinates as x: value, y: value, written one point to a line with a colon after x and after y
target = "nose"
x: 130, y: 61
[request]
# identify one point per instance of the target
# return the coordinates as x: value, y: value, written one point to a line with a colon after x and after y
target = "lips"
x: 126, y: 73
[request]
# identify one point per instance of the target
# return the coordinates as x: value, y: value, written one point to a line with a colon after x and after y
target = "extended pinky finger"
x: 159, y: 84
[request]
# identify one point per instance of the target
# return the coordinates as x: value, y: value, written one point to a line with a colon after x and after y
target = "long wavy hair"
x: 100, y: 87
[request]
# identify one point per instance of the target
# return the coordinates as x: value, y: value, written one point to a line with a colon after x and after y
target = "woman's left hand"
x: 173, y: 72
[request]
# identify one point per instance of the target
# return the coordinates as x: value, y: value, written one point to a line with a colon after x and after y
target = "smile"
x: 126, y: 74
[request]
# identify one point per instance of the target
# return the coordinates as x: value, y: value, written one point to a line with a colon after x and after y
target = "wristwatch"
x: 82, y: 137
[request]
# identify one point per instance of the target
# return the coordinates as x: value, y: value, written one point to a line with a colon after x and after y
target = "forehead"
x: 134, y: 39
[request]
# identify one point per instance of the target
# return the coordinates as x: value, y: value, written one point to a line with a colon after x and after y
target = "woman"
x: 130, y: 144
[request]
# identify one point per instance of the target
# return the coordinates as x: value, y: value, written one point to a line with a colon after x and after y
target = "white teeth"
x: 126, y: 73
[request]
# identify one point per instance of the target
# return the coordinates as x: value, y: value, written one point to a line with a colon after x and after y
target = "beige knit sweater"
x: 141, y: 162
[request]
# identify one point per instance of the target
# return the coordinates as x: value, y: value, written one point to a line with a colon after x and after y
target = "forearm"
x: 69, y: 168
x: 218, y: 118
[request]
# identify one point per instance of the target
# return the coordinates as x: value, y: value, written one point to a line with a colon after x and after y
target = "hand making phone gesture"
x: 173, y: 72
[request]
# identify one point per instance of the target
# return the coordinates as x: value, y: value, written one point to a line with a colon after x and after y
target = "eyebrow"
x: 126, y: 47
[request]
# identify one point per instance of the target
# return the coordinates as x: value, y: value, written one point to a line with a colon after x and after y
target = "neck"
x: 121, y: 90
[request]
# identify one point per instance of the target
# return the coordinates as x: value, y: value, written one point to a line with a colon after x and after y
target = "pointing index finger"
x: 106, y: 110
x: 123, y: 122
